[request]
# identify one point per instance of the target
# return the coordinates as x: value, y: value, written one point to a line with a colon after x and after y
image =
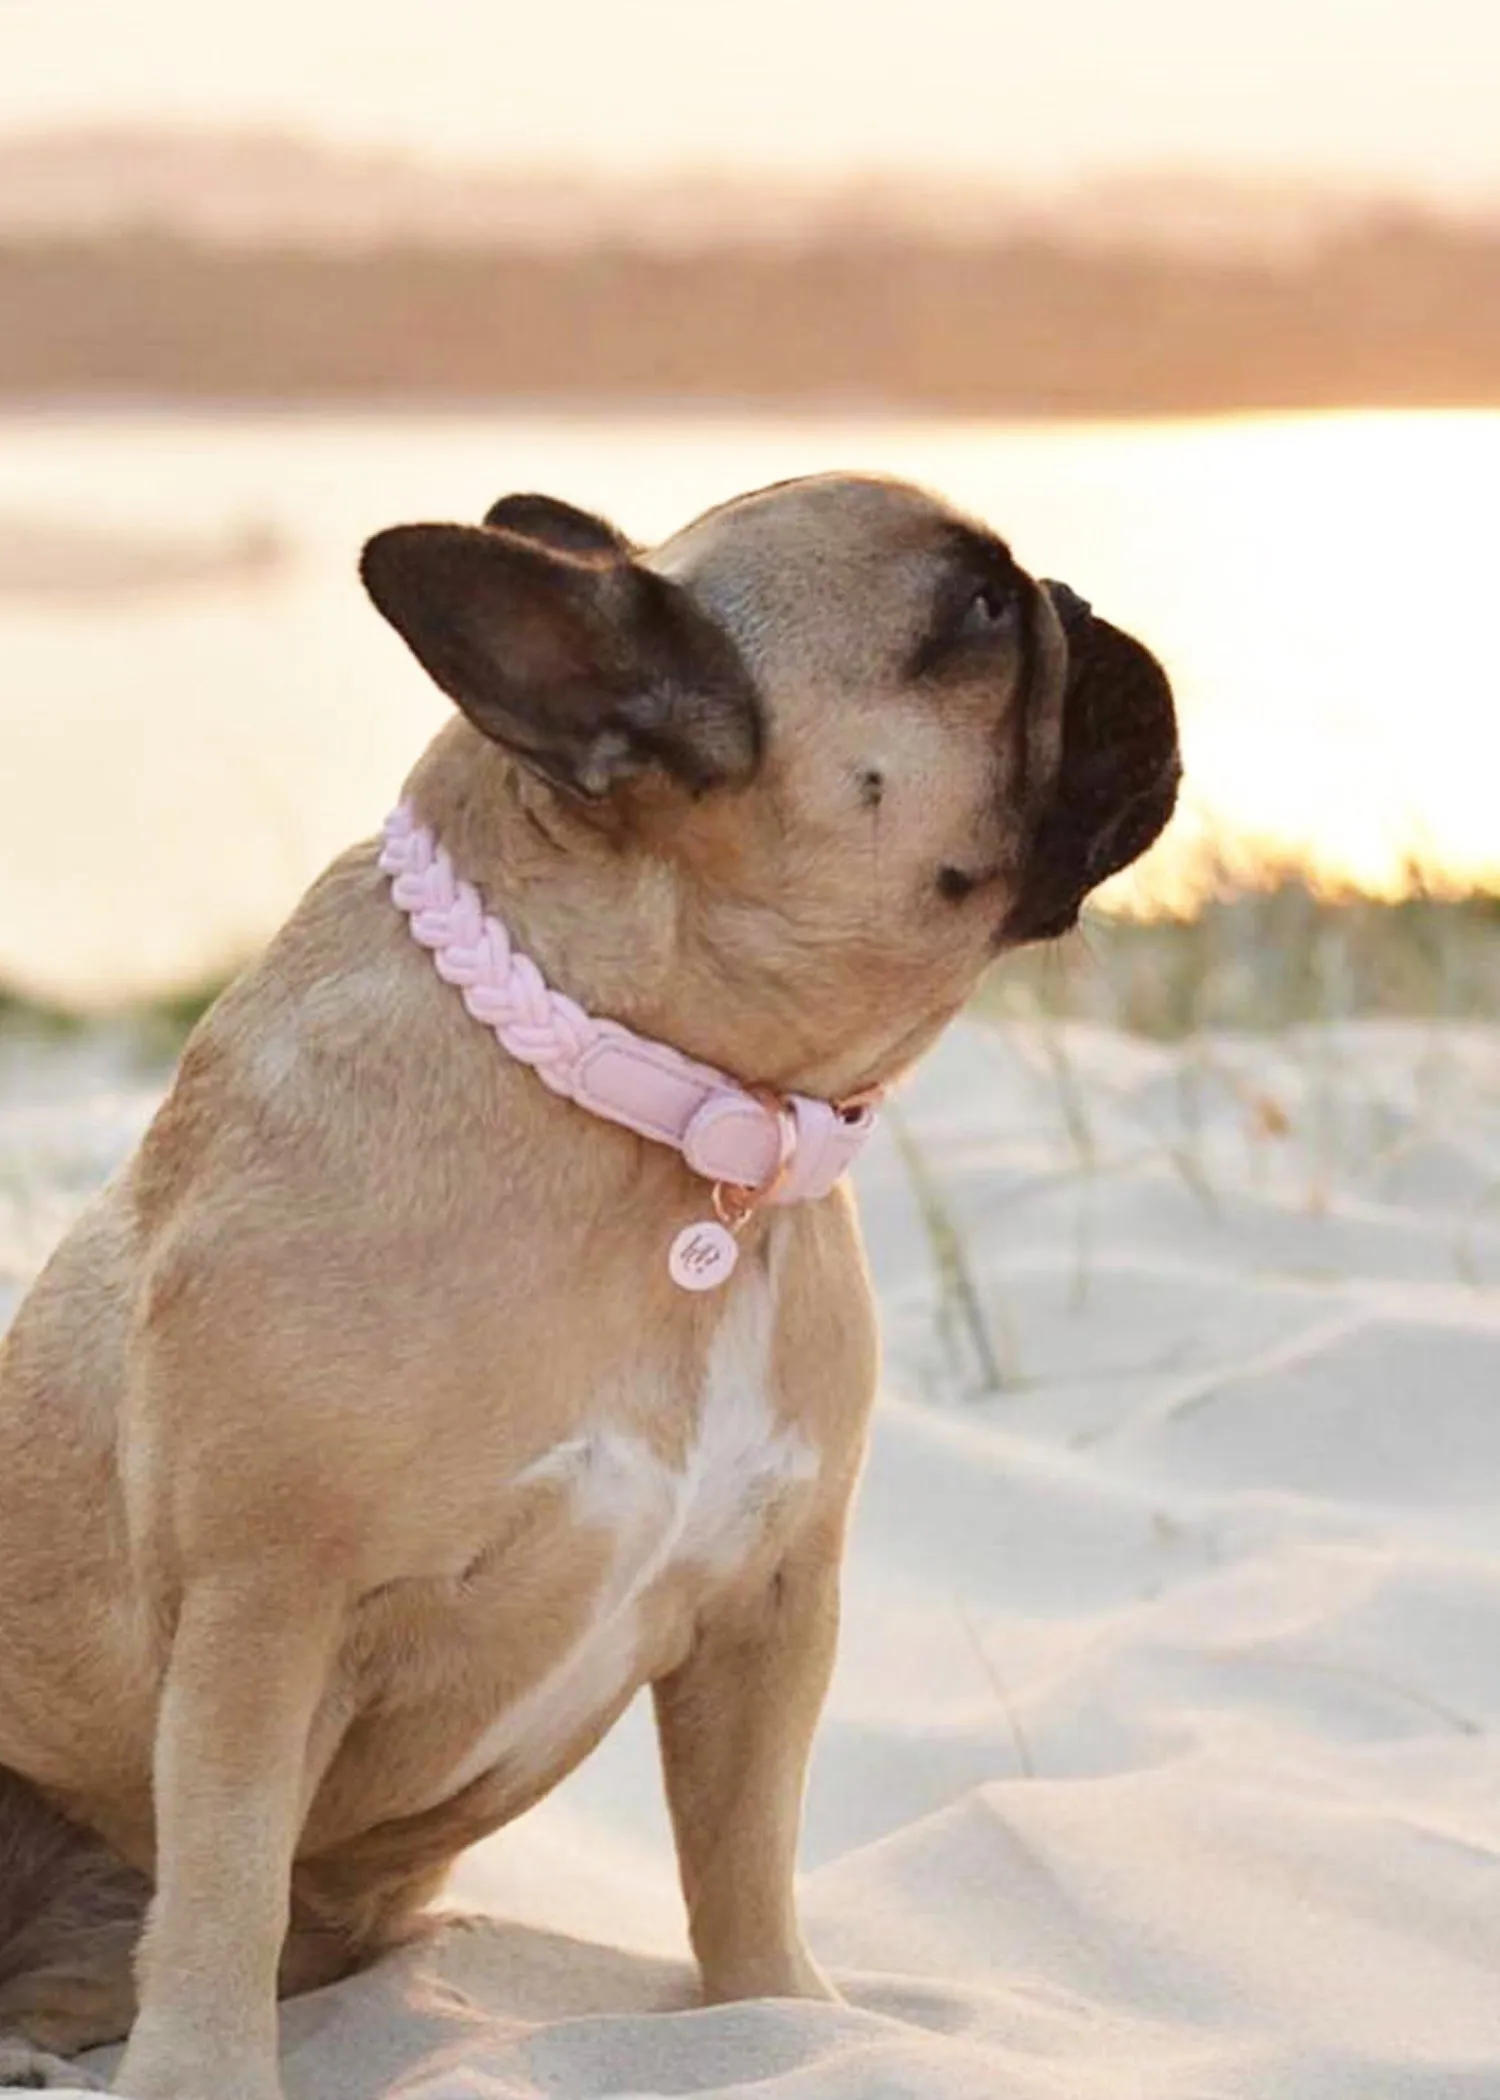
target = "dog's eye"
x: 991, y: 609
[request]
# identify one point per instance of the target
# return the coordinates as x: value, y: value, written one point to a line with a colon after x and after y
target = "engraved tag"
x: 703, y: 1256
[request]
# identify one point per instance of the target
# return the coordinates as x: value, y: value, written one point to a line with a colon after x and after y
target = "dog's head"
x: 859, y: 748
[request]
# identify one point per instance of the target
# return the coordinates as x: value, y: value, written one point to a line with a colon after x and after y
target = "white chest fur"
x: 708, y: 1511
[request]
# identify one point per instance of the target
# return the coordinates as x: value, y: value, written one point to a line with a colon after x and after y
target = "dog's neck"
x: 543, y: 867
x: 755, y: 1146
x: 658, y: 959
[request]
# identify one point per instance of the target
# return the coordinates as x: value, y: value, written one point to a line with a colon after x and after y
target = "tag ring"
x: 734, y: 1205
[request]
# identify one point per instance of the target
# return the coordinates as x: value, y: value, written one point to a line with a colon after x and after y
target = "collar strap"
x: 782, y: 1149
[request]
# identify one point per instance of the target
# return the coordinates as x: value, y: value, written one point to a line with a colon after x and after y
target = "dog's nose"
x: 1072, y: 610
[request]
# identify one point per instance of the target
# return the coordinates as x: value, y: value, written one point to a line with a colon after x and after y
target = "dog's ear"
x: 591, y: 670
x: 558, y: 524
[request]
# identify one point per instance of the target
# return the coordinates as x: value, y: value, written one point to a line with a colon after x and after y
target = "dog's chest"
x: 684, y: 1526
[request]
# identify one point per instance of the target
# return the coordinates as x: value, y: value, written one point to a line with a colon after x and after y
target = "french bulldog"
x: 427, y: 1384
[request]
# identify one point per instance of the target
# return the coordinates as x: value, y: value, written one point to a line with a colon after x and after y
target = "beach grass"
x: 1265, y: 950
x: 1261, y: 949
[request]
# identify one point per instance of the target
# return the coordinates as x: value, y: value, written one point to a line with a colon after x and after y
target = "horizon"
x: 1145, y: 178
x: 257, y: 185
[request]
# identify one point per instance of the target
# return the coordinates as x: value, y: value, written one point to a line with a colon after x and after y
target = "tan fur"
x: 270, y: 1559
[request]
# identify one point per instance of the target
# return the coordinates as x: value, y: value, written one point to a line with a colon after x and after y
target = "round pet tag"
x: 703, y: 1256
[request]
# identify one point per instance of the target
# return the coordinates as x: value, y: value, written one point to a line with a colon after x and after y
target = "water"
x: 178, y: 760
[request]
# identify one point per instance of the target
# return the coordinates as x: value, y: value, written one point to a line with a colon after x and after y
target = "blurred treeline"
x: 1398, y: 309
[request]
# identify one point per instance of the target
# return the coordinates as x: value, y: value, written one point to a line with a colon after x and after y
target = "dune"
x: 1159, y: 1763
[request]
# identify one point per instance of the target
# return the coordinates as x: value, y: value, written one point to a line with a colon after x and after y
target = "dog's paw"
x: 160, y: 2071
x: 809, y: 1981
x: 790, y: 1974
x: 26, y: 2069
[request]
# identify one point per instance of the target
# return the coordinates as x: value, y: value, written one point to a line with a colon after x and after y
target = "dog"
x: 409, y: 1401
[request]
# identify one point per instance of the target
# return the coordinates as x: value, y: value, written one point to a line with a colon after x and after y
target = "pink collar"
x: 755, y: 1147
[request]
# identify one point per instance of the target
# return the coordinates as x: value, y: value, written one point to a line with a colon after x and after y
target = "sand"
x: 1159, y: 1765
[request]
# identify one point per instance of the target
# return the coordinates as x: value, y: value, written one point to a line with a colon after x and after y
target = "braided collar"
x: 753, y: 1146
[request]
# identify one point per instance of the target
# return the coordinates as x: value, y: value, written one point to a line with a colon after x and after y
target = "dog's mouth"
x: 1116, y: 784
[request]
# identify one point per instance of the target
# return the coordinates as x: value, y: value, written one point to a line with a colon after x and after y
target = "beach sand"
x: 1160, y: 1761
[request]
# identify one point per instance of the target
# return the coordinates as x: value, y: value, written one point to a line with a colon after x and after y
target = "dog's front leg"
x: 736, y: 1723
x: 249, y: 1661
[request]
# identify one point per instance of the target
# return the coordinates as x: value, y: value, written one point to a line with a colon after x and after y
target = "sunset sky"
x: 1402, y: 91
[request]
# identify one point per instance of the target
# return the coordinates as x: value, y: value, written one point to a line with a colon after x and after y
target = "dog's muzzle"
x: 1117, y: 779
